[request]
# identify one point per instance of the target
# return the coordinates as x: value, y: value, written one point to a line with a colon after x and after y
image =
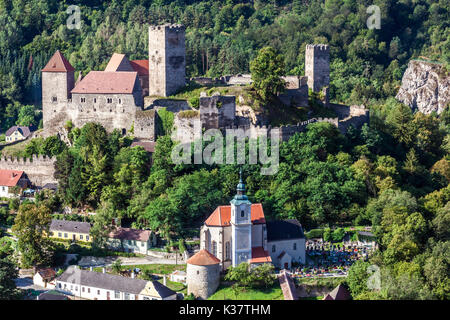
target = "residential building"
x: 16, y: 133
x: 178, y: 276
x: 9, y: 179
x: 239, y: 233
x: 131, y: 240
x: 103, y: 286
x: 70, y: 230
x: 45, y: 278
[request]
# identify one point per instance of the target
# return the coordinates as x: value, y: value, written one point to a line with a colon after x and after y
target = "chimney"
x: 104, y: 270
x: 132, y: 275
x: 164, y: 280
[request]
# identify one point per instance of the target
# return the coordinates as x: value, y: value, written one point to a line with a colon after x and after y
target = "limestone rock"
x: 425, y: 87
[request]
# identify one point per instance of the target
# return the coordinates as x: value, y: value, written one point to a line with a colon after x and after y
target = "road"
x: 107, y: 261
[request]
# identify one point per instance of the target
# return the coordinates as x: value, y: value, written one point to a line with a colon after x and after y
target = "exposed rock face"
x: 425, y: 87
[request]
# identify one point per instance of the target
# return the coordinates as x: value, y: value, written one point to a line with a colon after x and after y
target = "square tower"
x: 167, y: 59
x: 317, y: 66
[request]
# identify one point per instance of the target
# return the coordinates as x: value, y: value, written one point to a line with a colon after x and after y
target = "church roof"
x: 259, y: 255
x: 58, y: 63
x: 284, y: 230
x: 118, y: 62
x: 222, y: 215
x: 203, y: 258
x: 140, y: 66
x: 107, y: 82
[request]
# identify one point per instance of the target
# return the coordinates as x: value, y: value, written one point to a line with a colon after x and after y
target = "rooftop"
x: 222, y: 215
x: 259, y: 255
x: 10, y: 178
x: 118, y: 62
x: 140, y: 66
x: 70, y: 226
x: 25, y: 131
x: 107, y: 82
x: 284, y: 230
x: 58, y: 63
x: 130, y: 234
x: 203, y: 258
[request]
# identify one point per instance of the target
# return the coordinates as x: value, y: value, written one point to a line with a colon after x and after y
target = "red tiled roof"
x: 203, y: 258
x: 130, y: 234
x: 259, y: 255
x: 47, y: 273
x: 222, y: 215
x: 140, y: 66
x: 118, y: 62
x: 107, y: 82
x: 10, y: 178
x: 58, y: 63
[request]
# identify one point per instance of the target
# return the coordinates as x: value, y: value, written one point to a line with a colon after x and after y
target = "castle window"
x: 295, y: 246
x: 109, y: 100
x: 142, y: 129
x: 110, y: 110
x: 242, y: 213
x: 227, y: 250
x: 54, y: 110
x: 95, y: 109
x: 273, y: 248
x: 95, y: 100
x: 120, y: 101
x: 83, y: 100
x: 54, y: 99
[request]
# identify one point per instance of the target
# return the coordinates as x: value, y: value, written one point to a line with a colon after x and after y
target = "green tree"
x: 267, y: 69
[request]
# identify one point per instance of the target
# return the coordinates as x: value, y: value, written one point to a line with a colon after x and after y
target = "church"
x: 239, y: 233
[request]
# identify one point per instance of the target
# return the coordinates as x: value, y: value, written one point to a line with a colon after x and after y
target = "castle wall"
x: 167, y: 59
x: 39, y: 169
x: 217, y: 111
x: 317, y: 66
x: 145, y: 125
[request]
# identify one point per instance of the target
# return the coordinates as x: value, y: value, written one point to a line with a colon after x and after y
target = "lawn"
x: 152, y: 268
x: 226, y: 293
x: 175, y: 286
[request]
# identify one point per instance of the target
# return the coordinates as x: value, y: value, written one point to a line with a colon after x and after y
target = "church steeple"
x: 240, y: 190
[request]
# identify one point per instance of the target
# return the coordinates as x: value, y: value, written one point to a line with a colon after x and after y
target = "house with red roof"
x: 10, y: 179
x: 239, y: 233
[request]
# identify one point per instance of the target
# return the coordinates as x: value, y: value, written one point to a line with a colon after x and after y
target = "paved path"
x: 107, y: 261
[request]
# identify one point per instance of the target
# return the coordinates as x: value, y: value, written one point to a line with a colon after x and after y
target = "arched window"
x: 214, y: 248
x: 242, y: 213
x: 227, y: 250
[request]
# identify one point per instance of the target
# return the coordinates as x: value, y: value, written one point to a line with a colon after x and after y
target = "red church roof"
x: 259, y: 255
x: 140, y: 66
x: 58, y: 63
x: 10, y: 178
x: 222, y: 215
x: 107, y: 82
x: 203, y: 258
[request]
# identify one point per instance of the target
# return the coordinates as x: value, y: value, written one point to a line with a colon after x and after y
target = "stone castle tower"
x: 167, y: 59
x: 58, y: 81
x: 202, y: 274
x: 317, y: 66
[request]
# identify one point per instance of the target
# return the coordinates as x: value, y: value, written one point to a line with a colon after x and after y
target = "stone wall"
x: 217, y: 111
x: 202, y: 281
x: 145, y: 124
x: 172, y: 105
x: 317, y: 66
x: 39, y: 169
x: 296, y: 93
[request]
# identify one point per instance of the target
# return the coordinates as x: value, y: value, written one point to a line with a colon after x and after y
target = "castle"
x: 114, y: 97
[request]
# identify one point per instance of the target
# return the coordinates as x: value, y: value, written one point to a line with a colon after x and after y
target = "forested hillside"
x: 221, y: 38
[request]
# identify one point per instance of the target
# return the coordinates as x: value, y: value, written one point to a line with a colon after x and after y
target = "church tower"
x: 241, y: 226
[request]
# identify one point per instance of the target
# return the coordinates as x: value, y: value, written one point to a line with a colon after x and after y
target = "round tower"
x: 202, y: 274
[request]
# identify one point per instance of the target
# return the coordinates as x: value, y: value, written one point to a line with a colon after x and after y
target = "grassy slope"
x: 226, y: 293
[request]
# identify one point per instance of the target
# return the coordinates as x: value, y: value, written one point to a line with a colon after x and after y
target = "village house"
x: 93, y: 285
x: 178, y: 276
x: 45, y: 278
x: 10, y: 180
x: 239, y: 233
x: 131, y: 240
x: 16, y: 133
x: 70, y: 230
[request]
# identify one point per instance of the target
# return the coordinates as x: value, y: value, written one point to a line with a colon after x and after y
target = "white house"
x: 178, y: 276
x: 45, y: 278
x: 103, y: 286
x: 131, y: 240
x: 10, y: 179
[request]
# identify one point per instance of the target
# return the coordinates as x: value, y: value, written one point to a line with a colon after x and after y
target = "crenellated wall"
x: 39, y: 169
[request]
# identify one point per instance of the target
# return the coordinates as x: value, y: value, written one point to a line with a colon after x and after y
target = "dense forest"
x: 222, y: 37
x: 392, y: 174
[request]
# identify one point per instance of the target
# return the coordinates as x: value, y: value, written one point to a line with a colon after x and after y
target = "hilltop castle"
x: 114, y: 97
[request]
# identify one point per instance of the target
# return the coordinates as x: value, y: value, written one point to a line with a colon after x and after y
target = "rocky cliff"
x: 425, y: 87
